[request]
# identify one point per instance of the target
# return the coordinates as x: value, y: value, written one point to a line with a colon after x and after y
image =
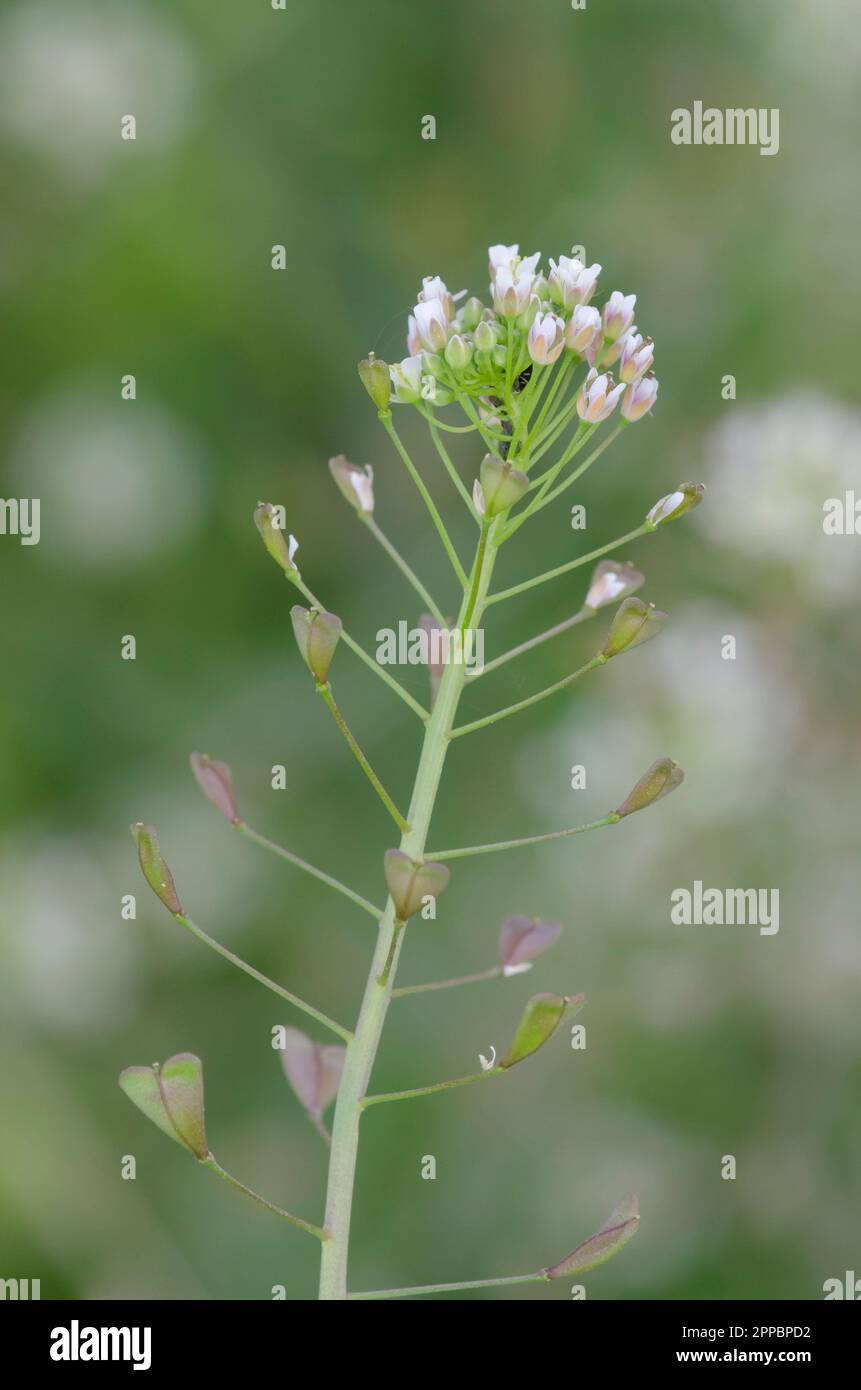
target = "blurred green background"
x: 302, y: 127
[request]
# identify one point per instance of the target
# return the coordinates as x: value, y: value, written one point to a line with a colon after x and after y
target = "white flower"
x: 511, y: 290
x: 407, y: 379
x: 637, y: 356
x: 664, y: 509
x: 432, y: 324
x: 582, y: 328
x: 618, y: 314
x: 571, y: 283
x: 414, y: 342
x: 498, y: 256
x: 546, y: 339
x: 598, y: 397
x: 640, y: 398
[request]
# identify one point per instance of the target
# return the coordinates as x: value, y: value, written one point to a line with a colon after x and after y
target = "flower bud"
x: 356, y: 484
x: 634, y: 622
x: 406, y: 377
x: 541, y: 1018
x: 154, y: 868
x: 639, y: 399
x: 501, y: 485
x: 598, y: 397
x: 618, y: 315
x: 266, y: 519
x: 171, y: 1096
x: 686, y: 496
x: 546, y: 339
x: 410, y: 883
x: 458, y: 352
x: 611, y: 581
x: 484, y: 337
x: 521, y: 939
x: 662, y: 778
x: 215, y: 782
x: 617, y: 1230
x: 582, y: 328
x: 313, y: 1070
x: 570, y: 283
x: 636, y: 357
x: 375, y: 379
x: 471, y: 314
x: 317, y: 637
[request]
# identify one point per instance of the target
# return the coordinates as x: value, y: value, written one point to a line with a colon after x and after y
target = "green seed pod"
x: 155, y: 870
x: 501, y: 485
x: 317, y: 635
x: 662, y: 778
x: 617, y: 1230
x: 267, y: 520
x: 172, y: 1097
x: 675, y: 504
x: 375, y: 378
x: 634, y: 622
x: 409, y: 883
x: 541, y: 1018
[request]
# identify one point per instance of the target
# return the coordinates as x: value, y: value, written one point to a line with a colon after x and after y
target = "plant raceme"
x: 535, y: 369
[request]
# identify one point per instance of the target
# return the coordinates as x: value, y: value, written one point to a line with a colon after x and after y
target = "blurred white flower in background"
x: 769, y: 470
x: 118, y: 483
x: 69, y: 72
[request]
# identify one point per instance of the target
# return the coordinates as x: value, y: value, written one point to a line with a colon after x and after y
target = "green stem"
x: 556, y: 631
x: 386, y: 419
x: 470, y: 850
x: 434, y: 426
x: 262, y: 979
x: 476, y: 576
x: 643, y: 530
x: 492, y: 974
x: 403, y: 567
x: 545, y: 501
x: 215, y: 1167
x: 356, y: 898
x: 362, y: 1051
x: 540, y: 1278
x: 599, y: 660
x: 431, y: 1090
x: 328, y: 697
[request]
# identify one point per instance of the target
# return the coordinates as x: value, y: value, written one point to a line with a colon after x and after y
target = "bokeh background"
x: 302, y: 127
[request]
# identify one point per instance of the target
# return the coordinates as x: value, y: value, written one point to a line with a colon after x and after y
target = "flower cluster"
x: 489, y: 352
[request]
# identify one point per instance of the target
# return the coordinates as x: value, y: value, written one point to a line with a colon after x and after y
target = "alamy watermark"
x: 734, y: 126
x: 434, y: 647
x: 718, y: 907
x: 21, y: 517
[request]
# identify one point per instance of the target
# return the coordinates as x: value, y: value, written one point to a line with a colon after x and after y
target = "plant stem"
x: 599, y: 660
x: 539, y: 1278
x: 643, y: 530
x: 215, y: 1167
x: 402, y: 565
x: 431, y: 1090
x: 262, y: 979
x: 492, y: 974
x: 440, y: 854
x: 580, y: 617
x: 362, y: 1051
x: 356, y: 898
x: 435, y: 426
x: 328, y: 697
x: 386, y: 420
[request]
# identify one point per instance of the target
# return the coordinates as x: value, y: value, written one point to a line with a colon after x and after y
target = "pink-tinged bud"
x: 639, y: 399
x: 216, y: 783
x: 611, y: 581
x: 356, y: 484
x: 617, y: 1230
x: 458, y: 353
x: 435, y: 288
x: 375, y: 379
x: 582, y: 328
x: 414, y: 342
x: 546, y: 339
x: 484, y: 337
x: 636, y: 357
x: 521, y: 939
x: 432, y: 324
x: 634, y: 622
x: 618, y: 314
x: 317, y: 635
x: 269, y: 521
x: 662, y: 778
x: 406, y: 377
x: 570, y: 282
x: 501, y: 486
x: 171, y: 1096
x: 410, y: 883
x: 313, y: 1070
x: 541, y: 1018
x: 154, y: 868
x: 598, y: 397
x: 675, y: 504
